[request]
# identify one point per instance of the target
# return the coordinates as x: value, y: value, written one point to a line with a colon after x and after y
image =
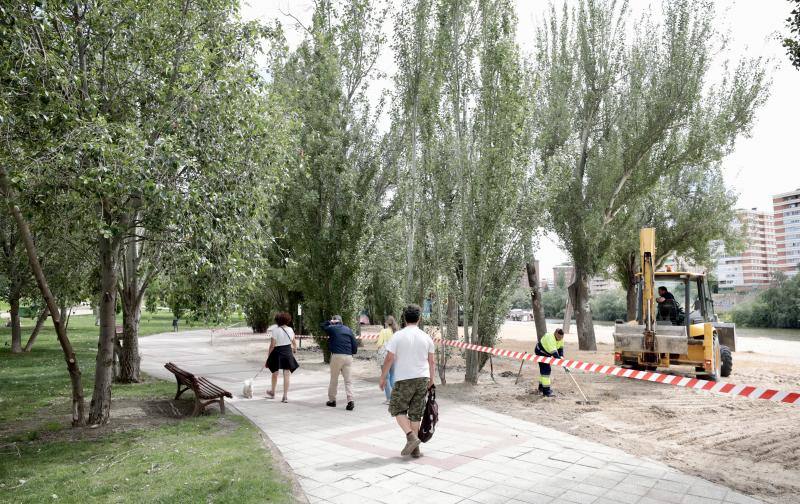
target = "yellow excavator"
x: 666, y: 331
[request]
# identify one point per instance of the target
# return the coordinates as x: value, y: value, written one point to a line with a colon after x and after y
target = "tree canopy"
x: 171, y: 151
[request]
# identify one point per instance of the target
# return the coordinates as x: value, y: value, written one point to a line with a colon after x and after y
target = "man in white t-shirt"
x: 410, y: 351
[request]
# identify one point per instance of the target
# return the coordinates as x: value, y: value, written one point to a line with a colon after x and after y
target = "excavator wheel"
x: 717, y: 353
x: 727, y: 361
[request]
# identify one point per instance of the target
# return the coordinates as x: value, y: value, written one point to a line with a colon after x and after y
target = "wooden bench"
x: 205, y: 392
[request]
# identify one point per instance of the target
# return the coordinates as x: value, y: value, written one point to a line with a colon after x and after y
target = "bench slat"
x: 201, y: 387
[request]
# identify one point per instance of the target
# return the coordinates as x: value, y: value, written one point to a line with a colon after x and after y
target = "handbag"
x: 381, y: 355
x: 430, y: 417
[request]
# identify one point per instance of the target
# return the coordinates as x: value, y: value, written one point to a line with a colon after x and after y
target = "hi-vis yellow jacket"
x: 551, y: 345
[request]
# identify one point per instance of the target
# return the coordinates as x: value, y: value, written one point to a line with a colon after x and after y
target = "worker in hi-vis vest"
x: 551, y: 345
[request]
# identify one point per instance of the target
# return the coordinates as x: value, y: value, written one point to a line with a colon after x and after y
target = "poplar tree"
x: 692, y: 212
x: 619, y: 108
x: 327, y: 209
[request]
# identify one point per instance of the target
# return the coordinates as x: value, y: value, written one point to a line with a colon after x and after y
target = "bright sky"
x: 760, y: 166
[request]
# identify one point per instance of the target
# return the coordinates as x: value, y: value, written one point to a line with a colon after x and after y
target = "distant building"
x: 680, y: 264
x: 562, y: 274
x: 544, y: 283
x: 600, y: 284
x: 787, y: 231
x: 597, y: 284
x: 523, y: 276
x: 754, y: 267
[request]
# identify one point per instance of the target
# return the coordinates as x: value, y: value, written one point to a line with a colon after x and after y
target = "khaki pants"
x: 340, y: 363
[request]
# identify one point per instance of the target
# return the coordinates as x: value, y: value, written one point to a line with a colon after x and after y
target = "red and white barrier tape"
x: 678, y: 381
x: 748, y: 391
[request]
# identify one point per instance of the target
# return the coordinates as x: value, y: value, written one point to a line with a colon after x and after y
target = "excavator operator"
x: 668, y: 308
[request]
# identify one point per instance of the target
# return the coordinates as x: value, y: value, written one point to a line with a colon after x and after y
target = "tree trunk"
x: 130, y: 359
x: 452, y: 316
x: 630, y: 287
x: 579, y: 297
x: 38, y: 327
x: 473, y: 364
x: 567, y: 315
x: 16, y: 329
x: 132, y: 294
x: 474, y: 360
x: 569, y: 308
x: 632, y: 301
x: 100, y: 408
x: 536, y: 298
x: 78, y: 410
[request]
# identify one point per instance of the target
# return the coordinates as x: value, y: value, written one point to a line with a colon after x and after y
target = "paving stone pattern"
x: 475, y: 456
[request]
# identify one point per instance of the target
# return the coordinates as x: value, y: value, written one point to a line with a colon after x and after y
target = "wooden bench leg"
x: 179, y: 391
x: 198, y: 406
x: 222, y: 405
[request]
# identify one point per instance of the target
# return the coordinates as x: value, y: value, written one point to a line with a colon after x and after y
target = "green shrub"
x: 610, y: 305
x: 778, y: 306
x: 521, y: 299
x: 554, y: 302
x: 258, y: 313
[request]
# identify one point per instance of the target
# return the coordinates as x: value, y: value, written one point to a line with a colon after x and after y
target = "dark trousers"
x: 544, y: 369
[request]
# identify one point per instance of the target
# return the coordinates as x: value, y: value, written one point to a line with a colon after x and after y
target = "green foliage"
x: 460, y: 113
x: 792, y: 41
x: 610, y: 305
x: 561, y: 279
x: 257, y: 314
x: 323, y: 218
x: 692, y: 212
x: 778, y: 306
x: 521, y: 299
x: 263, y: 302
x: 621, y: 108
x: 554, y: 302
x: 384, y: 272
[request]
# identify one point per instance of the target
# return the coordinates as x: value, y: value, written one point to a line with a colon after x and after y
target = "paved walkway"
x: 476, y: 455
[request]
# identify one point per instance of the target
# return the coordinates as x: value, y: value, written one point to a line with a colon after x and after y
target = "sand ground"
x: 752, y: 446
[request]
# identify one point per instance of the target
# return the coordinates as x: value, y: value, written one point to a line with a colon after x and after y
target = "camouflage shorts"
x: 408, y: 398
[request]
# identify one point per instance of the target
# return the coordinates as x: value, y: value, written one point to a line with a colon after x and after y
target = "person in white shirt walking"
x: 411, y: 352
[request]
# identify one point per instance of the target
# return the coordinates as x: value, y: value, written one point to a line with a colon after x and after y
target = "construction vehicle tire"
x: 717, y: 353
x: 727, y: 361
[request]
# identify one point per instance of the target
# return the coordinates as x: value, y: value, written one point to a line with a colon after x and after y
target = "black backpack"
x: 429, y: 418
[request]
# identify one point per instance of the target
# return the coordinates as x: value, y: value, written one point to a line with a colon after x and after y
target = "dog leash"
x: 259, y: 372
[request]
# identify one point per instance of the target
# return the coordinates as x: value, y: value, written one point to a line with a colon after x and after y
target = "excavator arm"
x: 647, y: 248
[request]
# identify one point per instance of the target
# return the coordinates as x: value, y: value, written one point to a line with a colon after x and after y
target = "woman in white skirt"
x: 282, y: 348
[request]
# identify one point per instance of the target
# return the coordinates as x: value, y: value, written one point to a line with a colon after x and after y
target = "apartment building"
x: 786, y: 209
x: 754, y: 267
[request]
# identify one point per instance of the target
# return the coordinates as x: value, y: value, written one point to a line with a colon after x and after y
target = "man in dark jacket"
x: 342, y: 345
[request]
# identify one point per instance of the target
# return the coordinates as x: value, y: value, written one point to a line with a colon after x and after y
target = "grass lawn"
x: 150, y: 452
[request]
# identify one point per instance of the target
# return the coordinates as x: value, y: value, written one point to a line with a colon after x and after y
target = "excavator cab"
x: 681, y: 329
x: 691, y: 302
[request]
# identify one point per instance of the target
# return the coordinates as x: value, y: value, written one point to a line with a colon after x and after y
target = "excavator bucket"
x: 669, y: 339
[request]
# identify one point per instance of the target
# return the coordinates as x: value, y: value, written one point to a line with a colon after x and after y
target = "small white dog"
x: 247, y: 390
